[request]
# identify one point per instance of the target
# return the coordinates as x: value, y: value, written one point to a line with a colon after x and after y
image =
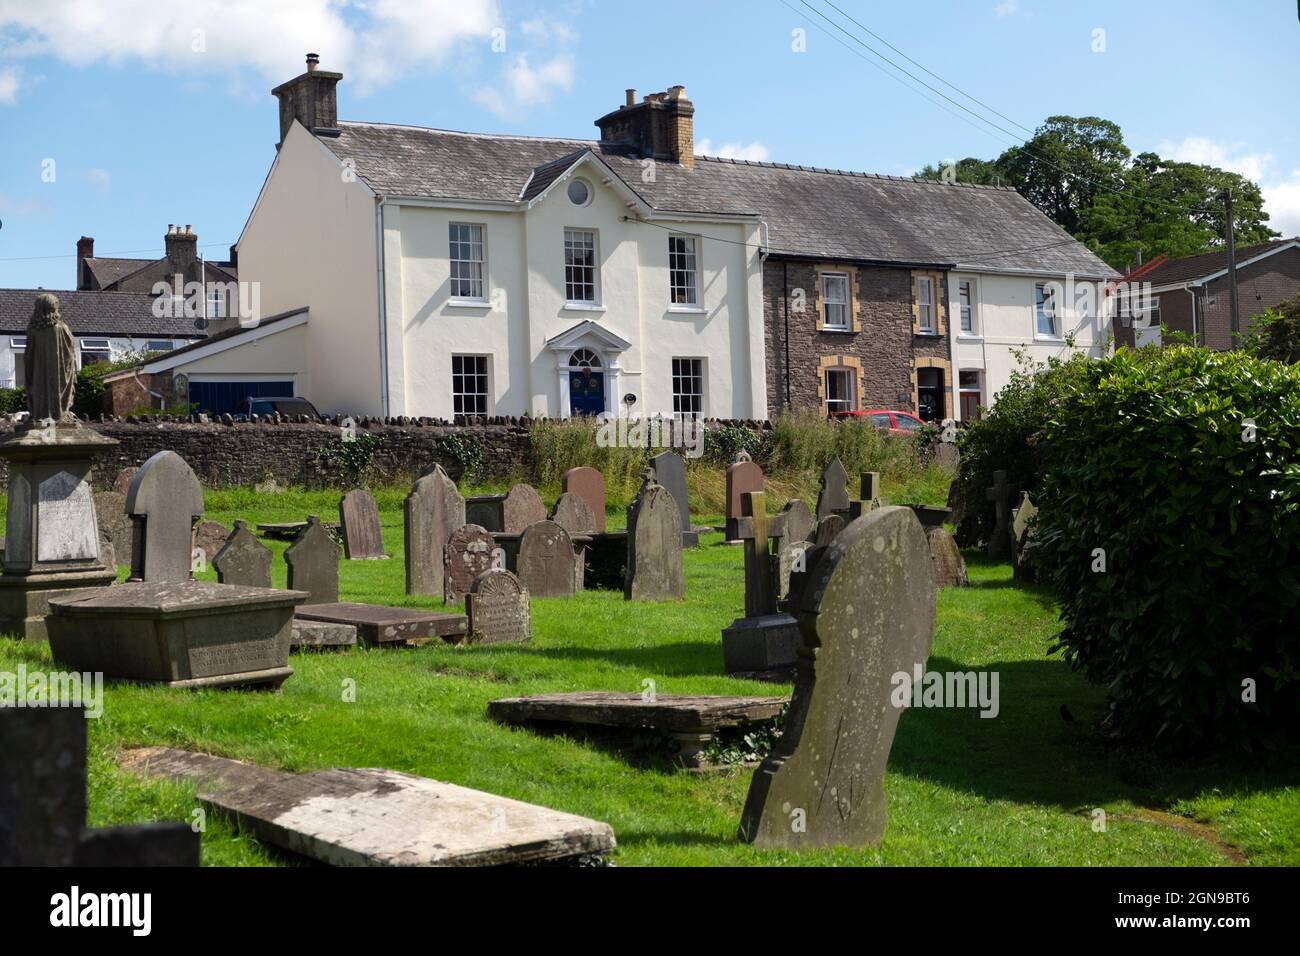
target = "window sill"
x: 1052, y: 339
x: 969, y: 337
x: 687, y: 309
x: 480, y: 304
x: 836, y: 330
x: 926, y: 334
x: 583, y: 307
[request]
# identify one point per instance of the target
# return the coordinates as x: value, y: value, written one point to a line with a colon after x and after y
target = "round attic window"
x: 579, y: 192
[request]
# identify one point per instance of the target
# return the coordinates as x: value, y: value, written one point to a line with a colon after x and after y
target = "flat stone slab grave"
x: 320, y: 634
x: 377, y: 817
x: 692, y: 721
x: 377, y: 624
x: 288, y: 530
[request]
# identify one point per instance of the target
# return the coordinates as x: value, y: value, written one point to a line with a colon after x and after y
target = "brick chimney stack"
x: 182, y: 248
x: 310, y: 99
x: 661, y: 126
x: 85, y: 250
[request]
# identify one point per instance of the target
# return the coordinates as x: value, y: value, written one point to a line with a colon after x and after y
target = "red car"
x: 895, y: 423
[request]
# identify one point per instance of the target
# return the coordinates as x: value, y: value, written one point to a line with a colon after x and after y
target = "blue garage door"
x: 218, y: 398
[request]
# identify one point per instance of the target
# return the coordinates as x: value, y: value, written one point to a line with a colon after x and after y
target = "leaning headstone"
x: 949, y: 565
x: 742, y: 476
x: 573, y: 514
x: 797, y: 522
x: 589, y: 484
x: 999, y: 546
x: 363, y: 539
x: 469, y: 552
x: 654, y: 546
x: 867, y: 616
x: 210, y: 537
x: 828, y: 529
x: 499, y: 609
x: 523, y: 507
x: 834, y: 496
x: 313, y: 561
x: 243, y: 559
x: 547, y: 565
x: 165, y: 500
x: 670, y: 471
x: 1022, y: 535
x: 434, y: 509
x: 116, y: 529
x: 122, y: 483
x: 791, y: 555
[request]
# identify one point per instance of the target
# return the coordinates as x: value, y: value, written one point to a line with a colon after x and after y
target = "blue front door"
x: 586, y: 392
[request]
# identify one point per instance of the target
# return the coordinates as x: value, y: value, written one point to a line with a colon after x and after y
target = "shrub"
x: 12, y: 400
x: 1276, y: 333
x: 1008, y: 439
x: 1180, y: 469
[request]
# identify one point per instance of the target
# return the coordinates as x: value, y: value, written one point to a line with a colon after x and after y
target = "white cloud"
x: 1281, y: 190
x: 1008, y: 8
x: 377, y: 41
x: 754, y: 152
x: 525, y: 85
x: 9, y: 86
x: 99, y: 177
x: 1282, y: 203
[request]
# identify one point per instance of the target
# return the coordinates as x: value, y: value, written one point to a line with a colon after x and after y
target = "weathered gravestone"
x: 165, y: 500
x: 588, y: 484
x: 376, y: 817
x: 1022, y: 537
x: 499, y: 609
x: 828, y: 529
x: 434, y: 509
x: 522, y: 507
x: 742, y: 476
x: 999, y: 546
x: 116, y: 529
x: 573, y: 514
x: 797, y: 522
x: 377, y: 625
x: 791, y: 557
x: 870, y: 492
x: 654, y: 546
x: 866, y: 615
x: 122, y: 483
x: 210, y: 537
x: 243, y: 559
x: 834, y: 496
x: 547, y: 565
x: 762, y: 641
x: 949, y: 565
x: 43, y: 801
x: 670, y: 471
x: 313, y: 561
x: 470, y: 551
x: 363, y: 539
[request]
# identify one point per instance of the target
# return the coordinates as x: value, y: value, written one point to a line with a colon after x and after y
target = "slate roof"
x: 1190, y: 268
x: 96, y: 313
x: 812, y: 213
x: 107, y: 271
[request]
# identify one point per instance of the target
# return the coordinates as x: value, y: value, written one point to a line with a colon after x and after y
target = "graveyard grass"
x: 1020, y: 789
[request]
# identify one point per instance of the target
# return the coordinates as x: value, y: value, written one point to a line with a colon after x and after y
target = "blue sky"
x: 158, y: 111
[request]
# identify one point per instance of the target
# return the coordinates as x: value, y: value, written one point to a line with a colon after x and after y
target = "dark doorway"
x: 586, y: 392
x: 929, y: 394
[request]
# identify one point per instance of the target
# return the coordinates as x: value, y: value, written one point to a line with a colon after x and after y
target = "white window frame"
x: 458, y: 380
x: 695, y: 374
x: 18, y: 347
x: 689, y: 299
x: 570, y: 235
x: 977, y: 389
x: 93, y: 346
x: 455, y: 244
x: 215, y: 304
x: 159, y: 345
x: 841, y: 405
x: 828, y: 303
x: 970, y: 310
x: 1053, y: 316
x: 925, y: 311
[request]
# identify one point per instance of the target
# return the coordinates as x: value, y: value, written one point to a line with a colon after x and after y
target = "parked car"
x: 888, y: 420
x: 263, y: 406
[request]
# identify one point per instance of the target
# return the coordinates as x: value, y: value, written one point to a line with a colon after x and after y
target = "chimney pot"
x: 313, y: 61
x: 171, y: 228
x: 661, y: 126
x: 85, y: 248
x: 631, y: 98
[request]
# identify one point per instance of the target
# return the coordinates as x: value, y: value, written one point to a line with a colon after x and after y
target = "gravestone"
x: 377, y: 625
x: 523, y: 507
x: 243, y: 560
x: 1022, y: 537
x: 363, y: 539
x: 762, y: 641
x: 321, y: 634
x: 742, y: 476
x: 654, y: 546
x: 588, y: 484
x: 116, y: 529
x: 210, y: 537
x: 433, y: 510
x: 376, y: 817
x: 573, y: 514
x: 828, y: 529
x: 791, y: 554
x: 470, y: 551
x: 866, y: 616
x: 834, y: 496
x: 670, y: 471
x: 949, y: 565
x: 313, y: 561
x: 870, y: 493
x: 499, y: 609
x: 165, y: 500
x: 999, y: 546
x: 797, y: 522
x: 122, y: 483
x: 547, y: 565
x: 486, y: 511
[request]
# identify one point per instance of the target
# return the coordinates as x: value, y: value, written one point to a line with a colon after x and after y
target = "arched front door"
x: 586, y: 383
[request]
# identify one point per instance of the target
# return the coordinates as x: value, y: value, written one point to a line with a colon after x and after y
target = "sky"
x: 118, y: 117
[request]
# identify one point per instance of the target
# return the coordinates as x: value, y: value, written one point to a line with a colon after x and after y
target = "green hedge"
x: 1154, y: 462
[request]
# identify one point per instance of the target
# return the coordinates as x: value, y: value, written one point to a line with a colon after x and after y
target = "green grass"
x: 1016, y: 790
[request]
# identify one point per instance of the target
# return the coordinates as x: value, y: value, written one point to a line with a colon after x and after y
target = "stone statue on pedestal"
x: 51, y: 363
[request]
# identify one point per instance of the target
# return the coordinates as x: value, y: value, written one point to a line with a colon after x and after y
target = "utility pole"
x: 1232, y: 268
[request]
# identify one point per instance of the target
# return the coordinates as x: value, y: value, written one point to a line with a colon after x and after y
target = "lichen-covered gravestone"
x: 999, y: 546
x: 523, y: 507
x: 243, y: 559
x: 573, y: 514
x: 363, y: 540
x: 434, y: 509
x: 670, y: 471
x: 834, y: 496
x: 499, y: 609
x: 547, y: 566
x: 654, y: 546
x: 828, y: 529
x: 469, y: 552
x: 588, y: 484
x: 313, y: 561
x: 796, y: 522
x: 742, y: 476
x: 867, y: 621
x: 165, y: 500
x: 116, y: 529
x: 949, y: 565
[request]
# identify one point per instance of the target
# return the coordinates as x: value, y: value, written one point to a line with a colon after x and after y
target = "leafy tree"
x: 978, y: 172
x: 1276, y: 333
